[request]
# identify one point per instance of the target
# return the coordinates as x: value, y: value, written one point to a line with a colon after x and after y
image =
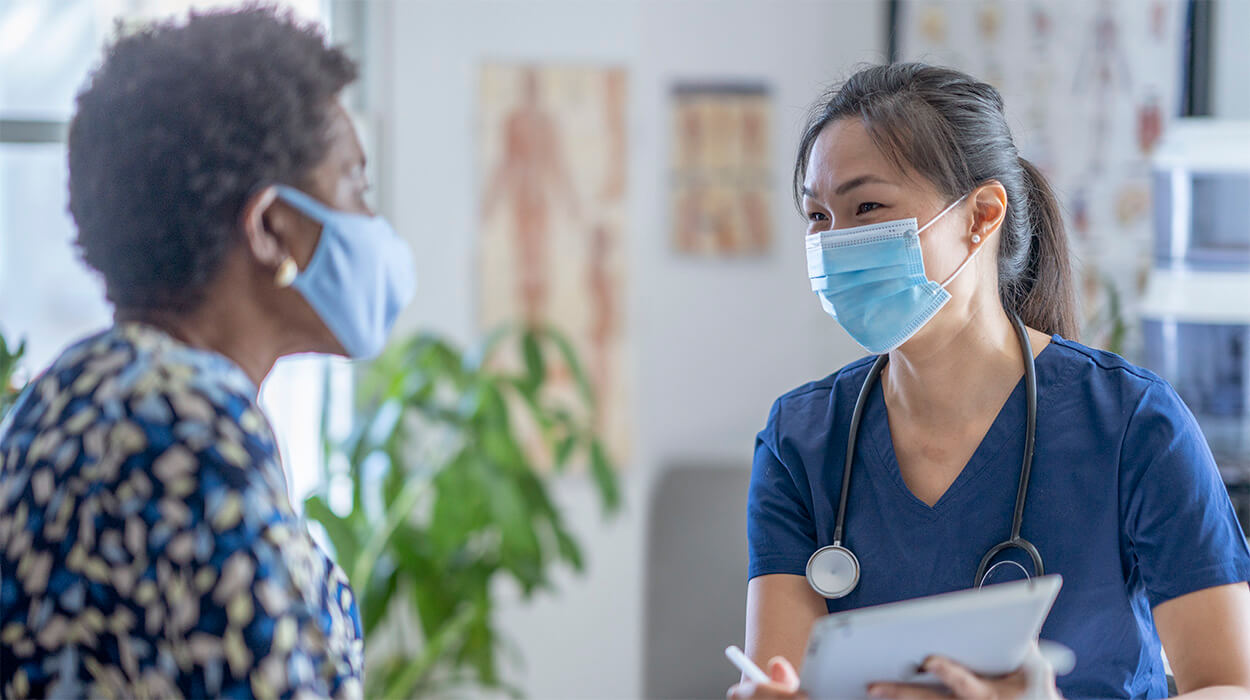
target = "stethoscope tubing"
x: 1026, y: 467
x: 851, y: 439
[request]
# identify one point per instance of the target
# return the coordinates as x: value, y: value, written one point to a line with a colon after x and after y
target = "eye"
x: 817, y: 216
x: 866, y: 207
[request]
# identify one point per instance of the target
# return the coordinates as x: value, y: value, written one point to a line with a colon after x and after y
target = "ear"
x: 989, y: 208
x: 263, y: 226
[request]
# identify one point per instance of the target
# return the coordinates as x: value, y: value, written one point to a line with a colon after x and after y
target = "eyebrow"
x: 848, y: 185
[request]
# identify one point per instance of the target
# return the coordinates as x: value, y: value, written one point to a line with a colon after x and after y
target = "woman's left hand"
x: 1035, y: 680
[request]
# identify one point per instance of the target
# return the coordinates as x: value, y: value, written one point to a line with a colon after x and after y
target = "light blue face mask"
x: 359, y: 278
x: 871, y: 279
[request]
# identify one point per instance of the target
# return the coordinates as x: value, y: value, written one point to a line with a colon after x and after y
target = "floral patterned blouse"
x: 147, y: 543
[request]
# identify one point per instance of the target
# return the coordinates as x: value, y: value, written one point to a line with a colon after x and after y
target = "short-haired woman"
x: 148, y: 547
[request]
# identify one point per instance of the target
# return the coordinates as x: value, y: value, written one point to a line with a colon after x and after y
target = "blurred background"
x: 620, y: 170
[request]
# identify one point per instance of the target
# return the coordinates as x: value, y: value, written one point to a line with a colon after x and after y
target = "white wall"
x: 1231, y: 58
x: 712, y: 343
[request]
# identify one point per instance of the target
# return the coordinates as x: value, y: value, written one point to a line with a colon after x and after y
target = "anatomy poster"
x: 552, y: 163
x: 1089, y: 86
x: 721, y: 181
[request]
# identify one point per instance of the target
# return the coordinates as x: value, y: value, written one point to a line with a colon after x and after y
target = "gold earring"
x: 287, y: 271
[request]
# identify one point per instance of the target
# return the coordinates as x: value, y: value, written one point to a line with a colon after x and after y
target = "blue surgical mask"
x: 871, y: 279
x: 359, y: 278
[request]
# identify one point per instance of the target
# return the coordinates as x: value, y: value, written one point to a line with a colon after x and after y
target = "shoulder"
x: 134, y: 412
x: 137, y: 375
x: 820, y: 390
x: 1128, y: 403
x: 1114, y: 383
x: 1102, y: 365
x: 814, y: 402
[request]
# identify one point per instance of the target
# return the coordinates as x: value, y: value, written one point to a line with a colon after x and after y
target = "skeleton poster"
x: 552, y: 167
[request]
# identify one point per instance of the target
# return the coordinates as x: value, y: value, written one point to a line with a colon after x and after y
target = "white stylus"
x: 746, y: 665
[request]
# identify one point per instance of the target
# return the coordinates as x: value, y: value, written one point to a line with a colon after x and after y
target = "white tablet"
x: 988, y: 630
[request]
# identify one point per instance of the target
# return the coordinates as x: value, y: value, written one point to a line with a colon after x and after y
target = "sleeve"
x: 303, y: 635
x: 1178, y: 520
x: 275, y: 619
x: 781, y: 534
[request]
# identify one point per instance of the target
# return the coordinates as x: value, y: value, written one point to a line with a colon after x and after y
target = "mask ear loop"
x: 961, y: 267
x: 941, y: 214
x: 975, y: 239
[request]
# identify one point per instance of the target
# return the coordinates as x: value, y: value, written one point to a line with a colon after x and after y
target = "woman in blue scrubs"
x: 928, y: 236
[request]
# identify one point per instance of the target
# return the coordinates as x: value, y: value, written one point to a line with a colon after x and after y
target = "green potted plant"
x: 447, y: 496
x: 10, y: 387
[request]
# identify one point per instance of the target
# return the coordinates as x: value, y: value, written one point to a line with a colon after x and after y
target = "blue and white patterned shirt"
x: 148, y: 547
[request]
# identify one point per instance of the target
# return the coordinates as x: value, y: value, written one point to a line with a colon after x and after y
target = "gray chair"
x: 696, y: 574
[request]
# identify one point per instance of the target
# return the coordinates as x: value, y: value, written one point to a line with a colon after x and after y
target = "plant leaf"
x: 375, y: 603
x: 535, y: 368
x: 476, y: 358
x: 604, y: 476
x: 362, y: 569
x: 569, y: 549
x: 529, y: 395
x: 564, y: 450
x: 575, y: 366
x: 448, y: 637
x: 342, y: 536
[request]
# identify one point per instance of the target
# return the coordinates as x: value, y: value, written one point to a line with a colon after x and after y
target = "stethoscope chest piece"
x: 833, y: 571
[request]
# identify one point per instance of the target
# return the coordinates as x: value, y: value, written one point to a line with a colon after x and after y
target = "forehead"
x: 844, y: 150
x: 344, y: 142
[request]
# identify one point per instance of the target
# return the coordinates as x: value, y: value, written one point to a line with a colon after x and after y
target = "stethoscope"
x: 833, y: 571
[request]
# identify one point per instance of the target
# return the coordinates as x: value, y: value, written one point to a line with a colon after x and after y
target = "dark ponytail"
x: 951, y: 129
x: 1043, y: 294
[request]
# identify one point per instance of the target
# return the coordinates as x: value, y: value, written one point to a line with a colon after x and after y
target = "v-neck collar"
x: 1009, y: 422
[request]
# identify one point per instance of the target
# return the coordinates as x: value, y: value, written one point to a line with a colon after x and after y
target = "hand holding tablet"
x: 990, y: 632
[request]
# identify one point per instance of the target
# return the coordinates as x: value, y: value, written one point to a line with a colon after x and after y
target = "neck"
x: 225, y: 331
x: 942, y: 379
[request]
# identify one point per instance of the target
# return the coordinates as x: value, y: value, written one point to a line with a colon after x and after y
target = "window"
x: 46, y: 294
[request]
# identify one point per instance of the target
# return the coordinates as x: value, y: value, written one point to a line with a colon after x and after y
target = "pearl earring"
x: 287, y: 271
x: 976, y: 238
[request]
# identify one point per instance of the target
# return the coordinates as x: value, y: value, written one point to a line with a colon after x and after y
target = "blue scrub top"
x: 1124, y: 501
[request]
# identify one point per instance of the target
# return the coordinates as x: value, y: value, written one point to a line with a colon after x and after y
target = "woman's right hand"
x: 783, y: 686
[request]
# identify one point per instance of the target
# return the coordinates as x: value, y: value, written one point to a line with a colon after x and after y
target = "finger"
x: 1059, y: 658
x: 904, y: 691
x: 1036, y: 677
x: 1036, y: 665
x: 749, y: 690
x: 783, y: 673
x: 962, y: 682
